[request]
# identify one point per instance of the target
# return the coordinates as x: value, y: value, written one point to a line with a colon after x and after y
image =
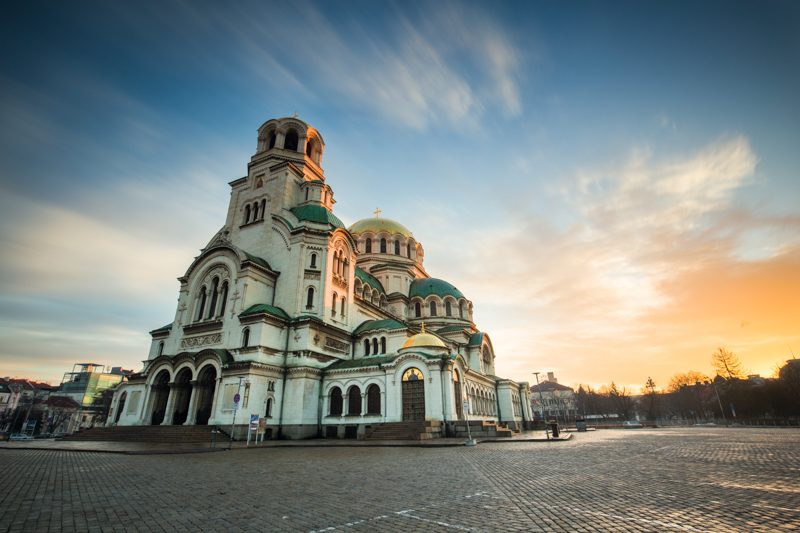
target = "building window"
x: 396, y: 247
x: 268, y: 410
x: 373, y: 400
x: 333, y: 307
x: 290, y: 141
x: 383, y: 344
x: 354, y: 401
x: 310, y: 298
x: 369, y: 246
x: 383, y: 246
x: 313, y: 260
x: 161, y: 348
x: 255, y: 211
x: 461, y: 310
x: 336, y: 402
x: 375, y: 345
x: 272, y: 138
x: 366, y: 346
x: 246, y: 337
x: 224, y: 298
x: 342, y: 306
x: 448, y: 309
x: 213, y: 307
x: 417, y: 310
x: 246, y: 214
x: 408, y: 251
x: 202, y: 303
x: 263, y: 207
x: 433, y: 308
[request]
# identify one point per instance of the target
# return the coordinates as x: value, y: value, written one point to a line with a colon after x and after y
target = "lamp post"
x: 236, y: 408
x: 541, y: 404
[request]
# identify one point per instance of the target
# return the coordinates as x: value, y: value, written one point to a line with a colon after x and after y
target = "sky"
x: 614, y: 185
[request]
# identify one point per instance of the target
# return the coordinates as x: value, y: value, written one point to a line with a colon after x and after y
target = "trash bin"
x: 553, y: 429
x: 580, y: 424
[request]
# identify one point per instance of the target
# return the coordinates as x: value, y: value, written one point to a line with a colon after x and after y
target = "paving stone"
x: 692, y: 479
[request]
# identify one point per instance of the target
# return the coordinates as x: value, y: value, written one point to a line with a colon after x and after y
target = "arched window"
x: 255, y: 211
x: 373, y: 400
x: 268, y: 410
x: 366, y: 346
x: 336, y: 402
x: 487, y: 360
x: 290, y: 141
x: 333, y: 307
x: 246, y: 337
x: 375, y: 345
x: 309, y: 144
x: 396, y: 247
x: 246, y: 214
x: 224, y: 298
x: 433, y: 308
x: 214, y: 294
x: 202, y: 303
x: 310, y: 298
x: 354, y: 401
x: 383, y: 344
x: 313, y: 260
x: 461, y: 310
x: 448, y: 308
x: 342, y: 306
x: 417, y: 309
x: 161, y: 348
x: 383, y: 246
x: 408, y: 251
x: 369, y: 246
x: 272, y: 138
x: 263, y: 207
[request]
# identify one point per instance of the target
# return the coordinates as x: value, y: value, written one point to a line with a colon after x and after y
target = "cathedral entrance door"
x: 206, y: 383
x: 413, y: 395
x: 160, y: 397
x: 183, y: 393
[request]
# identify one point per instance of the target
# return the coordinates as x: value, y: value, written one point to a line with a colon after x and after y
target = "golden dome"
x: 424, y: 340
x: 377, y: 225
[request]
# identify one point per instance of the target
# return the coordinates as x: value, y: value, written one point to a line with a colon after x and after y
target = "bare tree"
x: 727, y: 364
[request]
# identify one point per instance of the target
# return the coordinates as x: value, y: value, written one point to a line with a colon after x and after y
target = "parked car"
x: 20, y: 436
x: 630, y: 424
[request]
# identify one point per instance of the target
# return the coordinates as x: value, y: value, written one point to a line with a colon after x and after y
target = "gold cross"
x: 423, y: 327
x: 377, y: 212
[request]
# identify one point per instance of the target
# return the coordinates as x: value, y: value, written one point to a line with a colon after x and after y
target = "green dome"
x: 377, y: 225
x: 424, y: 287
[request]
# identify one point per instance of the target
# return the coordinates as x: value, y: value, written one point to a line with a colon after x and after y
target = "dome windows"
x: 291, y: 140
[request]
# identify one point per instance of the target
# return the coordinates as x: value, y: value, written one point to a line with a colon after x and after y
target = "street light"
x: 541, y: 404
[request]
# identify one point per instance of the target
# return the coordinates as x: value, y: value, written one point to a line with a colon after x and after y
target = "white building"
x: 318, y: 328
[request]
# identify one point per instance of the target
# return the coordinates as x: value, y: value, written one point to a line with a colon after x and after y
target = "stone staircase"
x: 484, y: 429
x: 155, y: 434
x: 424, y: 430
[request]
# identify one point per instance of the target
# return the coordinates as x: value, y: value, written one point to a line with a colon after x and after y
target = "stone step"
x: 163, y: 434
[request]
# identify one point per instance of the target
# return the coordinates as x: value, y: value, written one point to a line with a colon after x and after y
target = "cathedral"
x: 319, y: 329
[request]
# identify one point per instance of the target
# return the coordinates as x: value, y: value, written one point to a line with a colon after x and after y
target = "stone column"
x: 170, y: 404
x: 192, y: 415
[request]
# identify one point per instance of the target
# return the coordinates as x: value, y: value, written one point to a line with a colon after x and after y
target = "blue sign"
x: 236, y: 398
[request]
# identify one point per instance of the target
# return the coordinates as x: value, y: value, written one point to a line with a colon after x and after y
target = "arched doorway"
x: 182, y: 389
x: 120, y: 406
x: 413, y: 395
x: 457, y: 396
x: 160, y: 396
x: 206, y: 384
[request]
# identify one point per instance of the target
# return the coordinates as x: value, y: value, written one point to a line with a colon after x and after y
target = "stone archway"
x: 413, y: 395
x: 182, y: 392
x: 160, y: 392
x: 206, y: 387
x: 120, y: 406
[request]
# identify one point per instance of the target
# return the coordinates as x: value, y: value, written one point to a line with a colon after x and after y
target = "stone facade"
x: 315, y: 326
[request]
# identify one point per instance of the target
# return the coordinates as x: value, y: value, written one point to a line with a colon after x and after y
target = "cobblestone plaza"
x: 690, y: 479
